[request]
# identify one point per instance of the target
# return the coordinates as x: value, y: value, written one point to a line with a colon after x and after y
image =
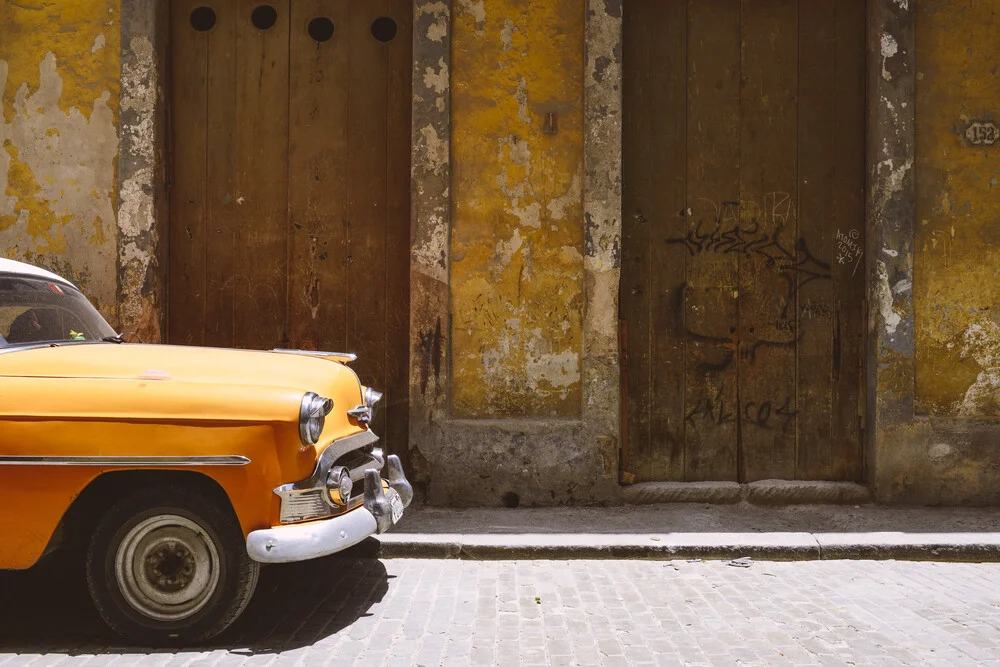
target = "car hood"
x: 174, y: 363
x: 107, y: 381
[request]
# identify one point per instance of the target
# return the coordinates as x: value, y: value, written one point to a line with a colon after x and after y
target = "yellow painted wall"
x: 518, y: 231
x: 59, y: 78
x: 957, y: 255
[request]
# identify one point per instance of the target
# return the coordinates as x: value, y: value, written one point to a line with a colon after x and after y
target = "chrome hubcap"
x: 167, y: 567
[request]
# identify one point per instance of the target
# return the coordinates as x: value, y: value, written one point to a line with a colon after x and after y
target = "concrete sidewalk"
x: 690, y: 531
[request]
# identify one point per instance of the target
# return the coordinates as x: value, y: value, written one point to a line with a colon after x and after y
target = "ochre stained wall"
x: 518, y: 229
x: 59, y: 74
x: 957, y: 262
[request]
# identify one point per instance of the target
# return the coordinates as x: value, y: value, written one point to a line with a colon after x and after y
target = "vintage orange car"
x: 181, y: 469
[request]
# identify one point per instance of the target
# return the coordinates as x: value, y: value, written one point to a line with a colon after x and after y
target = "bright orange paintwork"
x: 105, y: 399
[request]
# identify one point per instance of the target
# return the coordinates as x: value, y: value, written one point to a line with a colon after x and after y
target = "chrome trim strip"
x: 359, y: 472
x: 124, y: 461
x: 350, y: 356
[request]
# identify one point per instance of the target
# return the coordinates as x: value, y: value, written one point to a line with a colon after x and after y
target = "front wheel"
x: 169, y: 566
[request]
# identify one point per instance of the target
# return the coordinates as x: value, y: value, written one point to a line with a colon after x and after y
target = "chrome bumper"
x: 288, y: 544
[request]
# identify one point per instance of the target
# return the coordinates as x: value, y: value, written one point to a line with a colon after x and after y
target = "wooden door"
x: 743, y: 239
x: 289, y: 194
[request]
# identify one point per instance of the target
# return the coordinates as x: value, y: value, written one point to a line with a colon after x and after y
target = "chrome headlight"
x: 339, y: 484
x: 312, y: 417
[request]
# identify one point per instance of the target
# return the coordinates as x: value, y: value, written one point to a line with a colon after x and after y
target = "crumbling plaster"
x: 517, y: 244
x: 932, y: 337
x: 534, y: 217
x: 141, y: 190
x: 59, y: 141
x: 957, y: 299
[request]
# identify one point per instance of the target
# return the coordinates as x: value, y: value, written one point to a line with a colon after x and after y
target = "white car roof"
x: 10, y: 266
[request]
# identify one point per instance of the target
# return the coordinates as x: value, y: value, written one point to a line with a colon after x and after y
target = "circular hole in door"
x: 321, y: 29
x: 203, y: 19
x: 383, y: 29
x: 263, y: 17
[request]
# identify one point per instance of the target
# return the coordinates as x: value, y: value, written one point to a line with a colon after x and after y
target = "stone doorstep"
x: 764, y: 492
x: 963, y: 547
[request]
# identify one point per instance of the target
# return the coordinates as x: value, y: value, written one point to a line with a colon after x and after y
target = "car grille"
x: 303, y: 505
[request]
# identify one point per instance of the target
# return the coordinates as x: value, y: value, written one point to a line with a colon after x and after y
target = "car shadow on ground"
x: 48, y: 610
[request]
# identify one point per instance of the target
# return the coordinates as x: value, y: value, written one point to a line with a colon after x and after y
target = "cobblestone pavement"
x: 448, y: 612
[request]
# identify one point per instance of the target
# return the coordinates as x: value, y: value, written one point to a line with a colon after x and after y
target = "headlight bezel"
x: 312, y: 417
x: 339, y: 484
x: 372, y: 397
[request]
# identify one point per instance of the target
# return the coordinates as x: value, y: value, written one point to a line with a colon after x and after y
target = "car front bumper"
x: 314, y: 539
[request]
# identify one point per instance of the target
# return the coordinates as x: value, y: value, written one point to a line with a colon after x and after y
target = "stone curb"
x: 963, y: 547
x: 764, y: 492
x: 780, y: 492
x: 652, y: 493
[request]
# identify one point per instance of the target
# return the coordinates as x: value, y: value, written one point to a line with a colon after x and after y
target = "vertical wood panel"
x: 220, y: 244
x: 768, y: 177
x: 710, y: 302
x: 366, y: 334
x: 260, y: 264
x: 186, y: 298
x: 817, y: 196
x: 669, y: 194
x: 849, y: 285
x: 640, y: 124
x: 396, y: 407
x: 318, y: 165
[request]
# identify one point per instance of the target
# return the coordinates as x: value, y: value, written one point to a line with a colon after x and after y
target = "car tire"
x: 169, y: 566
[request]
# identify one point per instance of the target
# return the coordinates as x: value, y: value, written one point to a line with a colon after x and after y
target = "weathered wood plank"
x: 639, y: 124
x: 186, y: 298
x: 768, y: 277
x: 261, y: 262
x: 366, y: 333
x: 220, y: 242
x: 849, y: 284
x: 318, y: 164
x: 710, y: 300
x: 817, y: 195
x: 669, y: 195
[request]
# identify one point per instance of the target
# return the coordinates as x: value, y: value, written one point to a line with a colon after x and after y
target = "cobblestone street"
x: 450, y: 612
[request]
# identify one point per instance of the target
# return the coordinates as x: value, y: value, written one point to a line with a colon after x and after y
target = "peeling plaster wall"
x: 141, y: 168
x: 59, y: 140
x: 430, y: 222
x: 515, y: 236
x: 518, y: 228
x: 932, y: 215
x: 957, y: 296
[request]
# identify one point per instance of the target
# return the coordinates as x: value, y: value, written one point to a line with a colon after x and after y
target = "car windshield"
x: 35, y: 310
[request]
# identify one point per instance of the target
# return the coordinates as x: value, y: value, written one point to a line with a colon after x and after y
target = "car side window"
x: 34, y: 311
x: 41, y: 324
x: 8, y: 316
